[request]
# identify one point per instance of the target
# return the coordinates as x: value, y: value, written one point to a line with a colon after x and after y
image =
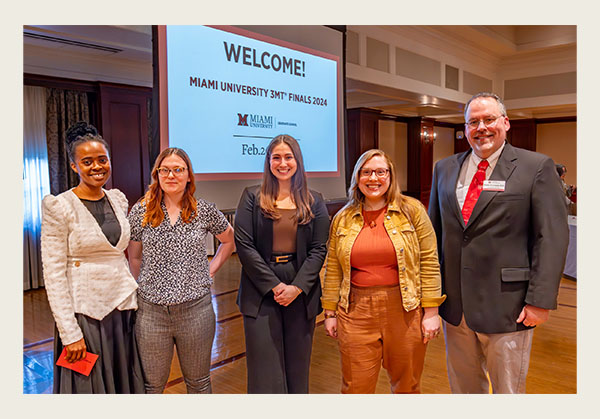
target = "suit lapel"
x: 503, y: 170
x: 452, y: 179
x: 301, y: 240
x: 263, y: 231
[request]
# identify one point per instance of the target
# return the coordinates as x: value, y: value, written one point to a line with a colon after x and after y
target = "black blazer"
x: 513, y: 249
x: 254, y: 245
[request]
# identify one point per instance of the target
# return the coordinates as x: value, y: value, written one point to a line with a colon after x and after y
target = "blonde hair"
x: 356, y: 198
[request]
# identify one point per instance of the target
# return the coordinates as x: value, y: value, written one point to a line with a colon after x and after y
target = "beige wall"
x: 393, y: 140
x: 559, y: 141
x: 444, y: 143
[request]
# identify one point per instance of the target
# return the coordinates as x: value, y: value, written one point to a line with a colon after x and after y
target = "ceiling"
x: 133, y: 43
x: 497, y: 43
x: 396, y: 102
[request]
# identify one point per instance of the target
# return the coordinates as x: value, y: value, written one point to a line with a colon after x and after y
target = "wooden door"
x: 124, y: 122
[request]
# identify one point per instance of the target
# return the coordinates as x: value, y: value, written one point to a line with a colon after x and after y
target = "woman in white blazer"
x: 91, y: 292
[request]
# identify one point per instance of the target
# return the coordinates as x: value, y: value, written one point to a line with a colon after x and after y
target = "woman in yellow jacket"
x: 382, y: 285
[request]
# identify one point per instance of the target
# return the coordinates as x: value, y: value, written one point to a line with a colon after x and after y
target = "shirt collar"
x: 492, y: 159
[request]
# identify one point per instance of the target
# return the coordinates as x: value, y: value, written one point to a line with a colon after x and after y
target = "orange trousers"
x: 375, y: 331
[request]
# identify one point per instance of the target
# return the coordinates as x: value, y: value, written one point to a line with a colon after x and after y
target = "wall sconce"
x: 427, y: 136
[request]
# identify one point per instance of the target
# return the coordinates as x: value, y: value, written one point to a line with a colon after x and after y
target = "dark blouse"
x: 106, y: 218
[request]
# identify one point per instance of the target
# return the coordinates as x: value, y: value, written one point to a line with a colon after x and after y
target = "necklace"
x: 370, y: 217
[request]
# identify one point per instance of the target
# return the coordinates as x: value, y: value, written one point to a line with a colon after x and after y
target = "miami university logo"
x: 243, y: 120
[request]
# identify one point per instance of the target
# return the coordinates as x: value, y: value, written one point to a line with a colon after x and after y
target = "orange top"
x: 373, y: 258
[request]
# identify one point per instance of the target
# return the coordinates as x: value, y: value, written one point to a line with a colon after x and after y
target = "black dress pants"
x: 279, y: 342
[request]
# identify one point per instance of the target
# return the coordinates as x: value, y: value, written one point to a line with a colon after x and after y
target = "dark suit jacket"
x: 513, y: 249
x: 254, y: 244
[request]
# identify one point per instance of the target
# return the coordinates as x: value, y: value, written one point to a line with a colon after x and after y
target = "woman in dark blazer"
x: 281, y: 230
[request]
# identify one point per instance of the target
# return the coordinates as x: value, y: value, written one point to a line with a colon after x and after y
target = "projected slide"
x: 230, y: 93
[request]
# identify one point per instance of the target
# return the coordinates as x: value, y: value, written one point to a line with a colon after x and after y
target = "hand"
x: 289, y: 294
x: 278, y: 289
x: 430, y: 325
x: 76, y: 351
x: 533, y: 316
x: 331, y: 327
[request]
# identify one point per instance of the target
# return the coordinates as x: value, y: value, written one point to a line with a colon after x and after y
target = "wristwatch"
x: 330, y: 316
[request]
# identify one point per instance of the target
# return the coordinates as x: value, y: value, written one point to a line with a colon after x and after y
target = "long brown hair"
x: 270, y: 185
x: 356, y: 198
x: 153, y: 197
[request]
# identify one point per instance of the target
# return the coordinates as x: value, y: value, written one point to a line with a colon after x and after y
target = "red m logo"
x: 243, y: 119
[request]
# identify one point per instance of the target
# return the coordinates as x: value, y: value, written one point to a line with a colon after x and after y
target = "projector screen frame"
x: 160, y: 77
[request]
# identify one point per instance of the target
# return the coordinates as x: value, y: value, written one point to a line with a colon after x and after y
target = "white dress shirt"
x: 468, y: 170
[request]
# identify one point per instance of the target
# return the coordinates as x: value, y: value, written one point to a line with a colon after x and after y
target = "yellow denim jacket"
x: 416, y: 250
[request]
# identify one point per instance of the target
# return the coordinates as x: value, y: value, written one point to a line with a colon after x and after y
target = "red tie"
x: 474, y: 190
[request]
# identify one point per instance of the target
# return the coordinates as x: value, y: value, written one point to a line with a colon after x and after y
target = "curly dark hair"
x: 79, y: 133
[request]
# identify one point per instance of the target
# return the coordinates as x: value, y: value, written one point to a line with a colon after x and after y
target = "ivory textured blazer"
x: 83, y: 272
x: 513, y: 249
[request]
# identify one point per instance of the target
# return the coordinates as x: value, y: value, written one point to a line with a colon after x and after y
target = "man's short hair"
x: 486, y: 94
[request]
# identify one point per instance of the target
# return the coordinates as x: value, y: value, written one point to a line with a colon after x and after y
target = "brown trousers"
x: 378, y: 330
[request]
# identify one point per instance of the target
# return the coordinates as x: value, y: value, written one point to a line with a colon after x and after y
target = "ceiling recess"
x: 70, y: 42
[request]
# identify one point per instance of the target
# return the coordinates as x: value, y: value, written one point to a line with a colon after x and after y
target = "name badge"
x: 494, y: 185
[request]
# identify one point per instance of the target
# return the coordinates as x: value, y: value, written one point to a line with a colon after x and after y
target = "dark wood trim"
x: 74, y: 84
x: 462, y: 144
x: 555, y: 120
x: 154, y: 149
x: 448, y: 125
x: 126, y: 137
x: 404, y: 119
x: 362, y: 135
x: 59, y: 83
x: 385, y: 116
x: 522, y: 134
x: 133, y: 88
x: 420, y: 159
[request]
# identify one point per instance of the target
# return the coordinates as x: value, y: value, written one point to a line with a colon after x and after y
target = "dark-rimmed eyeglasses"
x: 380, y: 173
x: 177, y: 171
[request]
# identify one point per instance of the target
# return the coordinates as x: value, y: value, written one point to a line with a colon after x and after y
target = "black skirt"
x: 118, y: 368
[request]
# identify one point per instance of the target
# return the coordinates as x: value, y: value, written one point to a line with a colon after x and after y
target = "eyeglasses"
x: 488, y: 122
x: 380, y: 173
x: 177, y: 171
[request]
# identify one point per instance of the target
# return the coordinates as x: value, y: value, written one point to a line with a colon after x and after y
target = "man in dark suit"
x: 502, y: 233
